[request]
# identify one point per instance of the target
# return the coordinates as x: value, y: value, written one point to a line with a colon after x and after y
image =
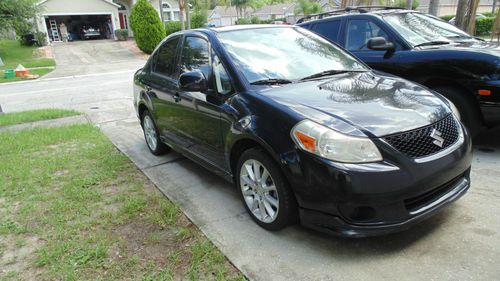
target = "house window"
x: 167, y: 16
x: 176, y: 15
x: 165, y: 5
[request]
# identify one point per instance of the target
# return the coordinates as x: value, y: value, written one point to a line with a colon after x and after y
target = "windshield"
x: 284, y: 53
x: 419, y: 28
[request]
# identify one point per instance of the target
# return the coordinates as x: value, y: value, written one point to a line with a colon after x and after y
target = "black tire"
x: 467, y: 106
x: 160, y: 147
x: 287, y: 212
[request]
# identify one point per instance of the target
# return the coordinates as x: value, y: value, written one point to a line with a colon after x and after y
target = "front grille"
x: 419, y: 143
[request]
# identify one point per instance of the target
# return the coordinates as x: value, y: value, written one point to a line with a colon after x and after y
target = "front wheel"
x: 155, y: 145
x: 264, y: 190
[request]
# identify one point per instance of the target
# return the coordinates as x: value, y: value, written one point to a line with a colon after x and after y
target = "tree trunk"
x: 460, y: 15
x: 188, y: 16
x: 409, y: 4
x: 161, y: 11
x: 434, y: 7
x: 343, y: 4
x: 181, y: 14
x: 471, y: 25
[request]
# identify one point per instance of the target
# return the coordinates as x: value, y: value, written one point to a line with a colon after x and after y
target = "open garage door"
x: 79, y: 27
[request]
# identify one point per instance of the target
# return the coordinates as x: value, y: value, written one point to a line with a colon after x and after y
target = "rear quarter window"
x: 328, y: 29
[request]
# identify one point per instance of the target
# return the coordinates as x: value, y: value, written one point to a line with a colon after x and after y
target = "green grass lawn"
x: 13, y: 54
x: 72, y: 207
x: 14, y: 118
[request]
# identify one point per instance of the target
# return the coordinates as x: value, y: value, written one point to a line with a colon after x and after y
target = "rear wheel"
x: 155, y: 145
x: 264, y: 190
x: 466, y: 105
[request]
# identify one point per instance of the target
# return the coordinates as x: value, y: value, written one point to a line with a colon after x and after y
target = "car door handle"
x: 177, y: 97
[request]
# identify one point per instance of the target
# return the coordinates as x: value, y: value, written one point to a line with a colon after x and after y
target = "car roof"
x: 349, y: 11
x: 244, y: 27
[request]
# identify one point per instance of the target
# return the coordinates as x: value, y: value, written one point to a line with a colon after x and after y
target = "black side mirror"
x: 193, y: 81
x: 380, y: 44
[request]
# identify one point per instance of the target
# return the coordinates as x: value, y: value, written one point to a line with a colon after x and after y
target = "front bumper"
x: 360, y: 200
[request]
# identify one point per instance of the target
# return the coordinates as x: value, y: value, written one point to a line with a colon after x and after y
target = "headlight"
x: 454, y: 109
x: 332, y: 145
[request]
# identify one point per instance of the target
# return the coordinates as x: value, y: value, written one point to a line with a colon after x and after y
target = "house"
x: 222, y: 15
x: 103, y: 15
x: 449, y: 7
x: 277, y: 11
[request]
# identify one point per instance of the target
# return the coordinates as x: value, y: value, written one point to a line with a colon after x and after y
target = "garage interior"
x: 75, y: 24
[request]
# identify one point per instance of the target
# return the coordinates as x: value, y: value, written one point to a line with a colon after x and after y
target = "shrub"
x: 255, y: 20
x: 146, y: 25
x: 447, y: 18
x: 172, y: 27
x: 243, y: 21
x: 402, y: 4
x: 484, y: 26
x: 199, y: 18
x: 121, y: 34
x: 41, y: 38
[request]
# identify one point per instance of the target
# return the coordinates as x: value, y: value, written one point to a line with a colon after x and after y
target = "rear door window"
x: 165, y: 58
x: 329, y: 29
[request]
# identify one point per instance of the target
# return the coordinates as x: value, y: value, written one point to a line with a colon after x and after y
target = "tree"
x: 306, y: 7
x: 465, y: 18
x: 18, y: 14
x: 434, y: 7
x: 147, y: 26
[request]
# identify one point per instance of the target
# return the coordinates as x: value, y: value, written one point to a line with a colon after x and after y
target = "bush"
x: 484, y: 26
x: 402, y: 4
x: 172, y: 27
x: 255, y: 20
x: 146, y: 25
x: 121, y: 34
x: 41, y: 38
x: 243, y: 21
x: 447, y: 18
x: 199, y: 18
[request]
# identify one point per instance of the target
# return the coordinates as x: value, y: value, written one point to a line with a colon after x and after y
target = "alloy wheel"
x: 259, y: 191
x: 150, y: 132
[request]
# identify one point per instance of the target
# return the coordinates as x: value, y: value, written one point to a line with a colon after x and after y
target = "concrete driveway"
x: 460, y: 243
x: 93, y: 57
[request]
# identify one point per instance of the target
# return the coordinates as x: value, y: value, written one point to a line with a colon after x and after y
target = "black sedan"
x: 307, y: 132
x: 424, y: 49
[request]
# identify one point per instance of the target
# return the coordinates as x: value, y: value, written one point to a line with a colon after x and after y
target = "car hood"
x: 362, y: 103
x: 488, y: 48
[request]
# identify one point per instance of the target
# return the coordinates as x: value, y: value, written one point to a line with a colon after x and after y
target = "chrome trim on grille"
x: 446, y: 151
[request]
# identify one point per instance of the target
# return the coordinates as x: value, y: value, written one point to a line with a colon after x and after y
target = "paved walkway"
x: 460, y: 243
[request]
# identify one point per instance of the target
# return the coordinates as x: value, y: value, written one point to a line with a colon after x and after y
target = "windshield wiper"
x: 271, y: 81
x: 430, y: 43
x: 328, y: 73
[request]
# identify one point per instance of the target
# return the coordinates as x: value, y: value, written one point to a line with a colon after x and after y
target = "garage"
x: 64, y: 20
x: 79, y: 27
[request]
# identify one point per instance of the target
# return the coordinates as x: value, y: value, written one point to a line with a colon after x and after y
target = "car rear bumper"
x: 377, y: 198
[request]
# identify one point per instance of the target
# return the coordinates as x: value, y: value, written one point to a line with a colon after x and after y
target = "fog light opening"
x: 363, y: 213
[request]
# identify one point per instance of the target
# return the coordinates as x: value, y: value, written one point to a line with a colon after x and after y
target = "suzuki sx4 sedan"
x: 305, y: 131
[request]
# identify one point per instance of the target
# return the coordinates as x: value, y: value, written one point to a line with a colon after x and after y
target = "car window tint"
x: 329, y: 29
x: 360, y: 31
x: 165, y: 58
x: 222, y: 80
x: 195, y: 56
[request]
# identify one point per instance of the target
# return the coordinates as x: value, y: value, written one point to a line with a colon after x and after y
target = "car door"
x: 358, y: 31
x: 161, y: 86
x: 198, y: 114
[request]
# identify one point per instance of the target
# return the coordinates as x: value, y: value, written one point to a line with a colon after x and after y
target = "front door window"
x: 360, y: 31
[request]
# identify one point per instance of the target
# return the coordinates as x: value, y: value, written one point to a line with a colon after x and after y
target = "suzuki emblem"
x: 436, y: 135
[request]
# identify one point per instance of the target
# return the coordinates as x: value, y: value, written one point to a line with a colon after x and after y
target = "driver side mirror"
x: 193, y: 81
x: 380, y: 44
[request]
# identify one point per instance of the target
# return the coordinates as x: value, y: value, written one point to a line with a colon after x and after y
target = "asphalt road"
x: 460, y: 243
